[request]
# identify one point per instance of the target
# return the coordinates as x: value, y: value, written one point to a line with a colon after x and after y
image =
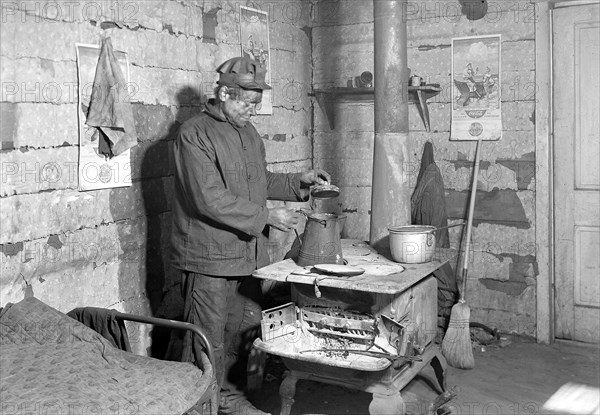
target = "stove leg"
x: 387, y: 404
x: 287, y: 390
x: 439, y: 365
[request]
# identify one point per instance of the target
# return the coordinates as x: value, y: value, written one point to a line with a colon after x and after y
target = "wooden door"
x: 576, y: 69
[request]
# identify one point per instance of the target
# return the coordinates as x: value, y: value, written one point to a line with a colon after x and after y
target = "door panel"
x: 576, y: 68
x: 587, y: 67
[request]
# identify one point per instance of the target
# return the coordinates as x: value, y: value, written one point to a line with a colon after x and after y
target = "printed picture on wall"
x: 476, y: 101
x: 97, y: 169
x: 254, y: 39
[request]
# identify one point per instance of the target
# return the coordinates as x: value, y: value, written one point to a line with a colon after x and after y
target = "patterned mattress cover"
x: 50, y: 363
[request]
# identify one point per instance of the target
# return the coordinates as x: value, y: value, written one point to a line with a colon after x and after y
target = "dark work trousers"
x: 228, y: 310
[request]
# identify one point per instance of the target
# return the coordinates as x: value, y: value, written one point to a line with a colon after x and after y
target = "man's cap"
x: 243, y: 72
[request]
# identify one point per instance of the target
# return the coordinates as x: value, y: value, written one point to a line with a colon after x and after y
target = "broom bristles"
x: 456, y: 346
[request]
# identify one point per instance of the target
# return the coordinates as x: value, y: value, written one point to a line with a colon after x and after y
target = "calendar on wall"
x: 254, y: 40
x: 476, y: 85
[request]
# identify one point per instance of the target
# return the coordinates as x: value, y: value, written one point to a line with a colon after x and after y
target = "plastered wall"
x: 502, y: 276
x: 108, y: 248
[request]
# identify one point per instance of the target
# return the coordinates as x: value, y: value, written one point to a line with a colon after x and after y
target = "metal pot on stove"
x: 414, y: 244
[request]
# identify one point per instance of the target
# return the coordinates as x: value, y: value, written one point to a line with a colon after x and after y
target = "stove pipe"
x: 390, y: 199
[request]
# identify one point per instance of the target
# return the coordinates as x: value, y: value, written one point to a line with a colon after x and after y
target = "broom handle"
x: 470, y: 222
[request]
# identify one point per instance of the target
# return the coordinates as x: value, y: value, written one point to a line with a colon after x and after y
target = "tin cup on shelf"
x: 415, y: 80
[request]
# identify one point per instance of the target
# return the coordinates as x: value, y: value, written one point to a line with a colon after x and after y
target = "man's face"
x: 239, y: 110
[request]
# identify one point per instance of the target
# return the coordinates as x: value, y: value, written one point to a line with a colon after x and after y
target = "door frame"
x: 544, y: 219
x: 544, y: 170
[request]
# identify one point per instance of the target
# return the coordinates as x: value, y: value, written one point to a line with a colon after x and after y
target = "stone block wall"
x: 502, y: 276
x: 109, y: 248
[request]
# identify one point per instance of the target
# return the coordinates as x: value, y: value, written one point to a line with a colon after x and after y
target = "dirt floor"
x: 514, y: 379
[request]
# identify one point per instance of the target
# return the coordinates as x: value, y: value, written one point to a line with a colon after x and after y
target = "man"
x: 221, y: 222
x: 469, y: 77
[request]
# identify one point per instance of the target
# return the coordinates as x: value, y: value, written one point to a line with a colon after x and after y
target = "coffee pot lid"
x: 325, y: 191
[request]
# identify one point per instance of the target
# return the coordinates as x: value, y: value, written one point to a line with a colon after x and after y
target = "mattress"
x: 50, y: 363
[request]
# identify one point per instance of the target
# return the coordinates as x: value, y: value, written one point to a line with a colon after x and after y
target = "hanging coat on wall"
x: 428, y: 201
x: 110, y: 111
x: 428, y: 207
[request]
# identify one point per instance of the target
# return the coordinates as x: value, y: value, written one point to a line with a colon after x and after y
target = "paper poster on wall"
x: 97, y: 171
x: 476, y: 85
x: 254, y: 39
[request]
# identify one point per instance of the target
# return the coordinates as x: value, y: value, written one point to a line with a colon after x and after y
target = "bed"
x: 51, y: 363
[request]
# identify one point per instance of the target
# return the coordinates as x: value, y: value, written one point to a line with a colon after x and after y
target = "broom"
x: 456, y: 346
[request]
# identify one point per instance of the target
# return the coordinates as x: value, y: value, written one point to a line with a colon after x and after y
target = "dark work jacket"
x: 428, y: 201
x: 428, y: 207
x: 104, y: 322
x: 221, y: 188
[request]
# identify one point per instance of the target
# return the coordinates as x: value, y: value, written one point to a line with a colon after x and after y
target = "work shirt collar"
x: 214, y: 111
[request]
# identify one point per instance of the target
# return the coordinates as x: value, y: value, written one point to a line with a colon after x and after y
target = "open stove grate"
x: 337, y: 323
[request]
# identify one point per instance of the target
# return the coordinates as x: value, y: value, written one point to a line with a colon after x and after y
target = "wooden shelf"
x: 416, y: 94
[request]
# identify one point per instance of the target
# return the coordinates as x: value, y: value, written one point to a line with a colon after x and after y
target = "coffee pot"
x: 321, y: 242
